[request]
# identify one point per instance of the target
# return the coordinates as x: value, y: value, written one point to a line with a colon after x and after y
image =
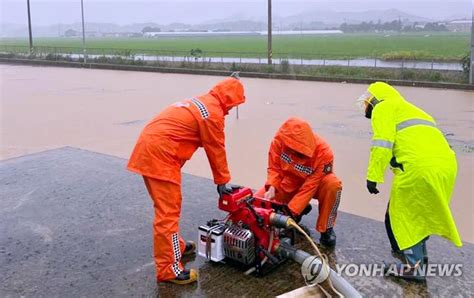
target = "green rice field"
x: 420, y: 46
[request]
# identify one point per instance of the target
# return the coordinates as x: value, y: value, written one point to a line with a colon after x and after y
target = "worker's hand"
x: 223, y: 189
x: 270, y: 193
x: 395, y: 164
x: 296, y: 217
x: 372, y: 187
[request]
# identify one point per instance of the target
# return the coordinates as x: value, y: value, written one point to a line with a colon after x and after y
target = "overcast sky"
x: 192, y: 12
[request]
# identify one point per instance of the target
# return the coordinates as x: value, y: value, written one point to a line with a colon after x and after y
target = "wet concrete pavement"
x: 76, y: 223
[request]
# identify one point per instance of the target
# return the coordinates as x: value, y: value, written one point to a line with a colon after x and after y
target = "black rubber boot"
x: 190, y: 248
x: 399, y: 255
x: 328, y: 238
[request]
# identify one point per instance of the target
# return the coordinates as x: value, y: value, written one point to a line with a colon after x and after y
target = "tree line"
x: 395, y: 25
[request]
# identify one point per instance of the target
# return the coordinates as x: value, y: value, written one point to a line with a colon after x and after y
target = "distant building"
x: 152, y: 33
x: 91, y: 34
x: 121, y: 34
x: 460, y: 25
x: 71, y: 33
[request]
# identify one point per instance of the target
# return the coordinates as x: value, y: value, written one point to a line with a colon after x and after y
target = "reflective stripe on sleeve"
x: 413, y: 122
x: 382, y: 143
x: 201, y: 107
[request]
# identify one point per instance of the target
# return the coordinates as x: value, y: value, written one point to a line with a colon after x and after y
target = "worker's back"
x: 418, y: 139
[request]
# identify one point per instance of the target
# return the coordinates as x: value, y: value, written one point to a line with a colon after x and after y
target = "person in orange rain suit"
x: 164, y: 145
x: 300, y: 167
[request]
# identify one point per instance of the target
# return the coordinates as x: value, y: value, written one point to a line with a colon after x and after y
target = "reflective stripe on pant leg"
x: 333, y: 214
x: 176, y: 253
x: 328, y: 196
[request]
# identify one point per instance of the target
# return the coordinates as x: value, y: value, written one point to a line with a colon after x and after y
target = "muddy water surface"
x: 104, y: 111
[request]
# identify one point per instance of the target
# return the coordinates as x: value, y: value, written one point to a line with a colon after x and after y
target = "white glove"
x: 270, y: 194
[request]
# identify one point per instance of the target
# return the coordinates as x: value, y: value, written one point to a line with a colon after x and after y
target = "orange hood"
x: 229, y: 92
x: 298, y: 135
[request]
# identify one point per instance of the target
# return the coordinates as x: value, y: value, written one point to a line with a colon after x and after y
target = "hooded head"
x: 377, y: 93
x: 383, y: 91
x: 229, y: 92
x: 298, y: 136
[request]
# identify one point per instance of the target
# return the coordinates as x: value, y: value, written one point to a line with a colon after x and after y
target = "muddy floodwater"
x: 104, y: 111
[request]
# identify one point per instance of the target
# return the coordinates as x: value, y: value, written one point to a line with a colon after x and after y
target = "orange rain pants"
x: 168, y: 246
x: 328, y: 195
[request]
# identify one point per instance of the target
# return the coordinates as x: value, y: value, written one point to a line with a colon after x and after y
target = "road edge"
x: 227, y: 73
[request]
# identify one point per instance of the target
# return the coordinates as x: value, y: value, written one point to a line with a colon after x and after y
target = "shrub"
x: 285, y: 66
x: 196, y: 53
x: 234, y: 67
x: 435, y: 77
x: 268, y: 69
x: 102, y: 59
x: 7, y: 55
x: 138, y: 62
x: 407, y: 75
x: 466, y: 64
x: 407, y: 55
x: 51, y: 56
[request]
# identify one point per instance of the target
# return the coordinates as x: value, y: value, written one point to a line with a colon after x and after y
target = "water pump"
x: 259, y: 234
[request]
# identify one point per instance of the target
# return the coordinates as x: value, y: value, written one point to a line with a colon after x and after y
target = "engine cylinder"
x: 239, y: 245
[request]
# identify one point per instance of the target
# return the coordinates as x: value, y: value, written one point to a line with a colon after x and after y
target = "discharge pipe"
x: 286, y: 250
x: 329, y: 281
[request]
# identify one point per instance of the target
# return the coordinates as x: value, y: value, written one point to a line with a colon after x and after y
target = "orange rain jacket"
x: 298, y: 175
x: 171, y: 138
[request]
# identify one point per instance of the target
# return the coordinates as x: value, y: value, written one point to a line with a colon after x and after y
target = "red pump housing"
x: 252, y: 213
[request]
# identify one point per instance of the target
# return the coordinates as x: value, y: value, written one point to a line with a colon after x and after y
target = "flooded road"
x: 104, y: 111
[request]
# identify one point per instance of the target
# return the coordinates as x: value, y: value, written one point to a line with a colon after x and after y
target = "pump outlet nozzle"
x: 279, y: 220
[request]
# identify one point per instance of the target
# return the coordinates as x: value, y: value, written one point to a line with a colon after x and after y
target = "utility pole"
x: 270, y: 53
x: 471, y: 75
x: 83, y: 34
x: 29, y: 26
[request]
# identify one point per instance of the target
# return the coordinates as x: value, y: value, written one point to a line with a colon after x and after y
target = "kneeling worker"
x: 164, y: 145
x: 300, y: 168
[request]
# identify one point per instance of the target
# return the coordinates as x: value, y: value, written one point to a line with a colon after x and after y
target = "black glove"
x: 395, y: 164
x: 223, y: 189
x: 296, y: 217
x: 372, y: 187
x: 288, y: 212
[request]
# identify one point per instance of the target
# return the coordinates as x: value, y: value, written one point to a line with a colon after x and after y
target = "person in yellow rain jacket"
x: 424, y: 167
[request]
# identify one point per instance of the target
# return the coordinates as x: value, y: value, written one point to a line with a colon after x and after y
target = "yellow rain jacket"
x: 421, y: 192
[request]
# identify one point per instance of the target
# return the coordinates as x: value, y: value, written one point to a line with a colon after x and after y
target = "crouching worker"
x: 300, y: 168
x: 425, y: 169
x: 164, y: 145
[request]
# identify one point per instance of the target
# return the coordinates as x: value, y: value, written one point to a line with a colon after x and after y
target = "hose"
x: 292, y: 223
